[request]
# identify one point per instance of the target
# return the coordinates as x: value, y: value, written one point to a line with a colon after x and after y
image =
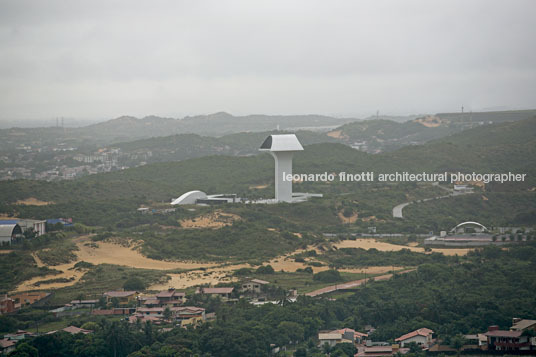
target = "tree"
x: 265, y: 269
x: 134, y: 283
x: 457, y: 342
x: 300, y: 352
x: 167, y: 313
x: 23, y: 349
x: 328, y: 276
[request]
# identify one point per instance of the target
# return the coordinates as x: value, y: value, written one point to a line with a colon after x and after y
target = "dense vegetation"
x: 450, y: 298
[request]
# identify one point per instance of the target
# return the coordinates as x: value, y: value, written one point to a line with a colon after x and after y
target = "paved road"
x: 352, y: 284
x: 397, y: 210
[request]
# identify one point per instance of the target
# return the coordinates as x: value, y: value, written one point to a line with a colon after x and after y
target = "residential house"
x: 23, y: 299
x: 345, y: 335
x: 7, y: 346
x: 7, y: 304
x: 184, y: 315
x: 422, y: 337
x: 171, y: 297
x: 84, y: 303
x: 507, y: 341
x: 124, y: 297
x: 376, y: 351
x: 523, y: 325
x: 221, y: 292
x: 73, y: 330
x: 478, y: 340
x: 253, y: 285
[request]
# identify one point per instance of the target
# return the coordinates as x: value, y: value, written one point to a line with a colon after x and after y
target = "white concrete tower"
x: 282, y: 147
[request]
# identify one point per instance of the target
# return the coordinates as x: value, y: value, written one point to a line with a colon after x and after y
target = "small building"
x: 30, y: 298
x: 37, y: 226
x: 7, y: 346
x: 84, y: 303
x: 221, y: 292
x: 345, y: 335
x: 9, y: 232
x: 523, y: 325
x: 73, y: 330
x: 507, y: 341
x: 422, y: 336
x: 253, y: 285
x: 7, y: 304
x: 170, y: 297
x: 124, y: 297
x: 376, y: 351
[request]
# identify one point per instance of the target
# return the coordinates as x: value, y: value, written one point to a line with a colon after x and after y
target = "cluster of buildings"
x: 519, y: 339
x: 14, y: 229
x: 474, y: 234
x: 12, y: 303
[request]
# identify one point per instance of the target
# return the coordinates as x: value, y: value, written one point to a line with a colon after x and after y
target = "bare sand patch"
x: 388, y: 247
x: 337, y: 134
x: 73, y: 275
x: 111, y: 253
x: 211, y: 276
x: 32, y: 201
x: 430, y: 121
x: 216, y: 219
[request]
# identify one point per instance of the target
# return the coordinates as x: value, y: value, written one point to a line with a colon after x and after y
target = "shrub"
x: 265, y: 269
x: 328, y: 276
x: 134, y: 283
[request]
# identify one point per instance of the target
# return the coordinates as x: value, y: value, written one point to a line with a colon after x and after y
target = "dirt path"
x: 388, y: 247
x: 352, y: 284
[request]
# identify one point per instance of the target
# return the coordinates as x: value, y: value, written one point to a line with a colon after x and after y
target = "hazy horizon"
x: 100, y: 60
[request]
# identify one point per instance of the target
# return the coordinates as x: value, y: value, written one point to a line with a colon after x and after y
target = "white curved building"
x: 189, y: 198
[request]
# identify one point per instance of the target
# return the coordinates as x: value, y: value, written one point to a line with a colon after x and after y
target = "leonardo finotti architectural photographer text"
x: 370, y: 176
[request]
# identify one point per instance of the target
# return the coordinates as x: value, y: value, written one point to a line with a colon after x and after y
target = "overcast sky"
x: 103, y: 59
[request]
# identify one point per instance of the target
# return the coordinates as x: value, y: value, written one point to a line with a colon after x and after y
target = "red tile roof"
x: 5, y: 343
x: 74, y: 330
x: 420, y: 332
x: 503, y: 333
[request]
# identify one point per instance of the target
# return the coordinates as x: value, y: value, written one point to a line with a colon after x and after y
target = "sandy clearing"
x: 337, y: 134
x: 73, y: 274
x: 188, y: 279
x: 32, y: 201
x: 216, y: 219
x: 388, y: 247
x: 111, y: 253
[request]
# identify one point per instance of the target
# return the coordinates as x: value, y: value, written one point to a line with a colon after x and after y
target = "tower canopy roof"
x: 283, y: 142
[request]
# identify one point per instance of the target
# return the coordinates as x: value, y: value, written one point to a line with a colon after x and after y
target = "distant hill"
x: 494, y: 117
x: 187, y: 146
x: 386, y: 135
x: 217, y: 124
x: 503, y: 147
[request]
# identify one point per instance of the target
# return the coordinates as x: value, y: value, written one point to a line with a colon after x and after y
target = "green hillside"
x: 493, y: 148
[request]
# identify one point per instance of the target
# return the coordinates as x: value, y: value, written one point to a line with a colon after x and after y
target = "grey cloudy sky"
x: 103, y: 59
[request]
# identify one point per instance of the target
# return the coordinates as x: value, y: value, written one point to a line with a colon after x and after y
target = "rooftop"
x: 420, y: 332
x: 284, y: 142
